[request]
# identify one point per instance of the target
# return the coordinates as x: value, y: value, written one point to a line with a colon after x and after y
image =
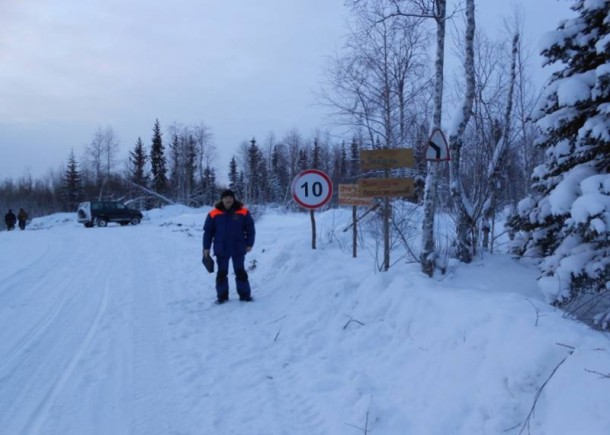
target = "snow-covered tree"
x: 567, y: 219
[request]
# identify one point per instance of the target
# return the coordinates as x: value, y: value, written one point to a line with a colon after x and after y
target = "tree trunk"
x: 355, y: 232
x: 493, y: 173
x: 386, y: 233
x: 428, y: 256
x: 464, y: 223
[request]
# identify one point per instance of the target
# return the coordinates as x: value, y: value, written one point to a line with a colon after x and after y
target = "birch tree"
x: 485, y: 156
x: 428, y: 255
x: 463, y: 207
x: 377, y: 80
x: 501, y: 149
x: 377, y: 83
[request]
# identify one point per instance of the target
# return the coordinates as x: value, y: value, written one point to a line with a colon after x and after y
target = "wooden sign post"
x: 386, y: 159
x: 349, y: 194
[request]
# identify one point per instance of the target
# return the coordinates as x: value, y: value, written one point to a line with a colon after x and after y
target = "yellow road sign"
x: 349, y: 194
x: 386, y: 159
x: 372, y: 187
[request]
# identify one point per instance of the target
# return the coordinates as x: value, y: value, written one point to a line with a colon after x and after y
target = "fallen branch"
x: 526, y: 423
x: 351, y: 319
x: 537, y: 311
x: 374, y: 207
x: 276, y: 320
x: 151, y: 192
x: 601, y: 375
x: 365, y: 430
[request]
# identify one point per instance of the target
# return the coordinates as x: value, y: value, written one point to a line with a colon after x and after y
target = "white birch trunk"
x: 464, y: 221
x: 493, y: 171
x: 428, y: 256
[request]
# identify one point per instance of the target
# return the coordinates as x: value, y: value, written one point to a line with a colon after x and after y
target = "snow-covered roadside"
x: 114, y: 330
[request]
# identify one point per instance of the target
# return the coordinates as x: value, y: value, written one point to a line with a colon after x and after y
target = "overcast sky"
x: 243, y: 67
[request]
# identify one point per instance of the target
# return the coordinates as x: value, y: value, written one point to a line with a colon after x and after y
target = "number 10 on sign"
x: 312, y: 189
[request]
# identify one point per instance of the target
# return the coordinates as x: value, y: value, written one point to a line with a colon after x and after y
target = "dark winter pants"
x: 241, y: 277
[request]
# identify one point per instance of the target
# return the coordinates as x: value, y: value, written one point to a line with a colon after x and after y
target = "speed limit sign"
x: 312, y: 189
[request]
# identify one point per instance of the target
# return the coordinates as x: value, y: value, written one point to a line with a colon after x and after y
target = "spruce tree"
x: 240, y: 187
x: 209, y: 185
x: 138, y: 159
x: 254, y: 162
x: 191, y: 164
x: 72, y: 184
x: 566, y: 221
x: 233, y: 175
x: 175, y: 162
x: 302, y: 163
x: 279, y: 173
x: 264, y: 183
x: 316, y: 162
x: 157, y: 160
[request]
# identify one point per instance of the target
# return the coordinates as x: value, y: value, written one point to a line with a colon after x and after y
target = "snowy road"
x: 113, y: 331
x: 86, y: 339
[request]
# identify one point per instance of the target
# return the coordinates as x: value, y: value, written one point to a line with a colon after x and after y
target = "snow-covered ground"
x: 114, y: 331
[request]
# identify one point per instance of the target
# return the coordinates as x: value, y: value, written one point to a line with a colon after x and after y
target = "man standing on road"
x: 23, y: 218
x: 9, y: 220
x: 231, y: 227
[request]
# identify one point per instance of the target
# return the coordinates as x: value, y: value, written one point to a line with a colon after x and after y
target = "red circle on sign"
x: 312, y: 188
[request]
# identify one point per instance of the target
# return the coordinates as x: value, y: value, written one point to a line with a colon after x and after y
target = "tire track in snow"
x: 150, y: 371
x: 156, y: 393
x: 41, y: 261
x: 50, y: 275
x: 49, y: 350
x: 42, y: 412
x: 32, y: 336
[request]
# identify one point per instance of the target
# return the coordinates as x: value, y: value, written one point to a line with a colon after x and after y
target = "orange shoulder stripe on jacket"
x: 242, y: 211
x: 215, y: 213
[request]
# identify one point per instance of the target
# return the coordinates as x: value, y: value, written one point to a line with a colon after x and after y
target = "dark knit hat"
x: 227, y: 193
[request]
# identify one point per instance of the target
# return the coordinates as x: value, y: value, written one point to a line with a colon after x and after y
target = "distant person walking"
x: 9, y: 220
x: 231, y: 227
x: 23, y: 218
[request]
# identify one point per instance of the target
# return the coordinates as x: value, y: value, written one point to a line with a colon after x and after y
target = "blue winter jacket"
x: 231, y: 230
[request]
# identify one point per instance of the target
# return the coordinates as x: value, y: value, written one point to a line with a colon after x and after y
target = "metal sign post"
x: 312, y: 189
